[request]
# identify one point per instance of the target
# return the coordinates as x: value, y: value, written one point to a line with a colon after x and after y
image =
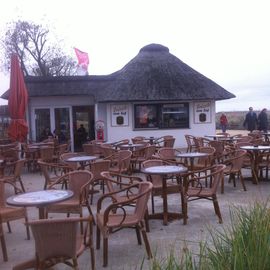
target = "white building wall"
x: 115, y: 133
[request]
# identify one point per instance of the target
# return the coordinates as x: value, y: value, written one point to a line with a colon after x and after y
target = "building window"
x: 161, y: 116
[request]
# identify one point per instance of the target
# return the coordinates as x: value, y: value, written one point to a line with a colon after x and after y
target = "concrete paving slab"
x: 124, y: 253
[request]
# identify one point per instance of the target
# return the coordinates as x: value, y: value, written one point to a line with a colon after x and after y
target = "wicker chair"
x: 204, y: 162
x: 111, y: 181
x: 110, y: 220
x: 65, y: 156
x: 190, y: 143
x: 173, y: 187
x: 89, y: 149
x: 59, y: 150
x: 15, y: 175
x: 107, y: 151
x: 170, y: 155
x: 121, y: 161
x: 165, y: 141
x: 219, y: 147
x: 52, y: 172
x: 234, y: 164
x: 193, y: 189
x: 8, y: 213
x: 79, y: 182
x: 138, y: 139
x: 47, y: 154
x: 142, y: 154
x: 96, y: 168
x: 59, y: 241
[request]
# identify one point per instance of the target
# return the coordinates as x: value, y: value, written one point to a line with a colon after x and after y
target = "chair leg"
x: 91, y: 213
x: 9, y: 228
x: 138, y: 235
x: 146, y: 221
x: 146, y: 242
x: 242, y: 181
x: 222, y: 184
x: 105, y: 252
x: 216, y: 207
x: 152, y: 204
x: 21, y: 183
x: 3, y: 244
x: 184, y: 210
x: 91, y: 248
x: 233, y: 178
x: 27, y: 228
x: 98, y: 238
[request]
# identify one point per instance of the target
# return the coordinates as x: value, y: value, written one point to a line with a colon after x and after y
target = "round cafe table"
x: 191, y: 156
x: 151, y: 139
x: 164, y: 171
x: 40, y: 199
x: 82, y: 160
x: 131, y: 146
x: 255, y: 151
x: 215, y: 136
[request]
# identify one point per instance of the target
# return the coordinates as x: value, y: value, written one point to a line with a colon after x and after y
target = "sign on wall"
x: 119, y: 115
x: 202, y: 112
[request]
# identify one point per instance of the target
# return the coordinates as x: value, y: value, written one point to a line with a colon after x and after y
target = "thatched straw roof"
x: 154, y: 74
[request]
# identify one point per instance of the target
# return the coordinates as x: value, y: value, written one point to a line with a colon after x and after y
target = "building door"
x: 83, y: 119
x: 62, y: 124
x: 42, y: 121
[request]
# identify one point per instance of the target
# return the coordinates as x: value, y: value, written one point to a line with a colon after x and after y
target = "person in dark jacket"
x: 46, y: 134
x: 251, y: 120
x: 263, y: 120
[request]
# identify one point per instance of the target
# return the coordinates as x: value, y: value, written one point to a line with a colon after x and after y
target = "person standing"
x: 251, y: 120
x: 263, y: 120
x: 223, y: 122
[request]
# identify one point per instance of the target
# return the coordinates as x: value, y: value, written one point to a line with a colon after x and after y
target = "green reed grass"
x: 243, y: 245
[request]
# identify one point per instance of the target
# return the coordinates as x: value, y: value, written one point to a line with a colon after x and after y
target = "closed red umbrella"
x: 17, y: 102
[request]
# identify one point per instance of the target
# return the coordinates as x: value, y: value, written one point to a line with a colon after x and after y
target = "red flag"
x: 83, y: 59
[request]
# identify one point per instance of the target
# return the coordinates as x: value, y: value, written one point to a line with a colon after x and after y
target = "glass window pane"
x: 146, y: 116
x: 162, y: 115
x: 62, y: 128
x: 42, y: 118
x: 175, y: 116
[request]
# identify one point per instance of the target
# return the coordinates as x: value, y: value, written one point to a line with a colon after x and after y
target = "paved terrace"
x: 124, y: 253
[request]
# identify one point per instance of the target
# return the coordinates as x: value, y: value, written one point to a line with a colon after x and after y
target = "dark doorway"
x: 83, y: 125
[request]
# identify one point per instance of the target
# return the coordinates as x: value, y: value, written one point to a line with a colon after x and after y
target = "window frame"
x: 159, y: 123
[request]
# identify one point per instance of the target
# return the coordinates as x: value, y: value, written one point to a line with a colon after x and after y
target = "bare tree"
x: 38, y: 55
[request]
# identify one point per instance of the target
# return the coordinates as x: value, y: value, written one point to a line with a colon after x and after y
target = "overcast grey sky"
x: 226, y: 40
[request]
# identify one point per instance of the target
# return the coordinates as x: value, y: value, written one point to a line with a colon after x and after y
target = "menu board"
x: 119, y: 115
x: 202, y: 112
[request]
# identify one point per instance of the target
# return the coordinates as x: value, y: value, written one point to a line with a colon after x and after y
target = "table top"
x: 131, y: 145
x: 165, y: 169
x: 192, y: 155
x: 255, y: 148
x: 81, y: 158
x: 215, y: 136
x: 39, y: 198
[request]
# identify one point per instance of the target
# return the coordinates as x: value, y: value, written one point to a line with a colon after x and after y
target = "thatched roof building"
x: 154, y: 75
